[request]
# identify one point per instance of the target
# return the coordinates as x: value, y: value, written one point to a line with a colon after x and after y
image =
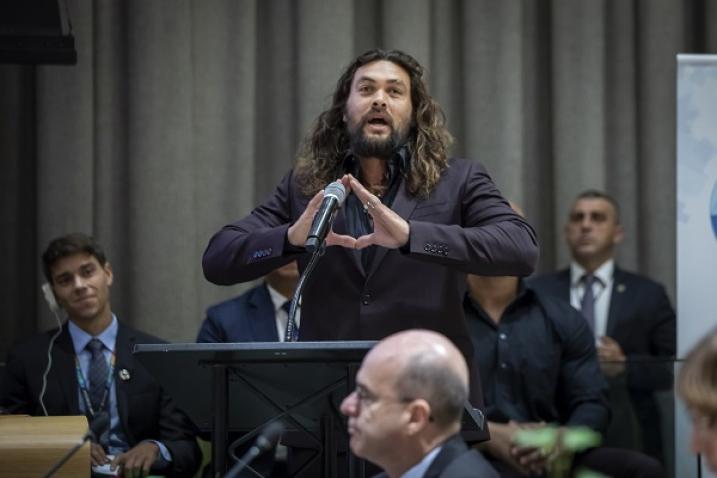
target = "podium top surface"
x: 343, y: 351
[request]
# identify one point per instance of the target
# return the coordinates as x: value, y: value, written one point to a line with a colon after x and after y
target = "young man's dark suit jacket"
x: 465, y: 225
x: 247, y: 318
x: 146, y: 412
x: 642, y: 320
x: 456, y: 460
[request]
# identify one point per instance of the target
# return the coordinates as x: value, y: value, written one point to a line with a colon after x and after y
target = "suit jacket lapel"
x: 403, y: 205
x: 564, y: 284
x: 123, y: 360
x: 64, y: 370
x: 617, y: 301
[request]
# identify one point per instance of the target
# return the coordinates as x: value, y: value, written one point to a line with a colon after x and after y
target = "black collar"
x: 399, y: 164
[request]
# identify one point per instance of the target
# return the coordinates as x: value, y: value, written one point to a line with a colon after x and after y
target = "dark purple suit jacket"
x: 465, y: 225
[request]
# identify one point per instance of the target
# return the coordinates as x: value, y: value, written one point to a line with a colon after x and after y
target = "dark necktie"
x: 587, y: 304
x: 97, y: 374
x: 292, y: 336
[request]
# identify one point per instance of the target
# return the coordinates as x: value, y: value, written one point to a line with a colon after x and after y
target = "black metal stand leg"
x: 330, y: 450
x: 221, y: 415
x: 357, y: 468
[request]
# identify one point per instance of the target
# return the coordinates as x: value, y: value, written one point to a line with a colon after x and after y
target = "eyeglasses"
x: 366, y: 398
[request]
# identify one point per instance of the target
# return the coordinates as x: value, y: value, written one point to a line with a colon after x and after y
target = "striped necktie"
x: 97, y: 374
x: 587, y: 303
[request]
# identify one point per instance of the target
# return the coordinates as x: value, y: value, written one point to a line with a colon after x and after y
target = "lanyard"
x: 85, y: 390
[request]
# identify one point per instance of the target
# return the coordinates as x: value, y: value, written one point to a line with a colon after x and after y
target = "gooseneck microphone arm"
x: 264, y: 442
x: 290, y: 336
x: 334, y: 195
x: 97, y: 426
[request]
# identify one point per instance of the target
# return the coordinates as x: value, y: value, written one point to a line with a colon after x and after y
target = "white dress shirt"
x: 280, y: 314
x: 602, y: 291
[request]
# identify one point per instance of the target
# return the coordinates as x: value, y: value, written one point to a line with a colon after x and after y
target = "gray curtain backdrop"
x: 181, y: 115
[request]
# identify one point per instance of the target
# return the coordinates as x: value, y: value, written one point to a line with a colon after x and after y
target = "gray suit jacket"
x: 456, y: 460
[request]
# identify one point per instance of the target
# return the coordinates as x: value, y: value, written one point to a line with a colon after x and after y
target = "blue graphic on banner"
x: 696, y: 145
x: 713, y: 209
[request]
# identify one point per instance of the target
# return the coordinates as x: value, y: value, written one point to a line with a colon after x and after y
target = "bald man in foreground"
x: 405, y: 414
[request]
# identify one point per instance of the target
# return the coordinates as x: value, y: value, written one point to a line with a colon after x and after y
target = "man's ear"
x: 108, y: 270
x: 619, y: 234
x: 419, y: 416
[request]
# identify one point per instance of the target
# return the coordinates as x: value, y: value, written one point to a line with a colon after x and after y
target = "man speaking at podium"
x: 92, y: 371
x: 413, y: 224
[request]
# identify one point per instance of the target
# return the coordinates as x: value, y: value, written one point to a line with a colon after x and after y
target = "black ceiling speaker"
x: 36, y: 32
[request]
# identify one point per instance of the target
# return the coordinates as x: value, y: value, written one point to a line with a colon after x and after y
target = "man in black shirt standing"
x: 536, y: 356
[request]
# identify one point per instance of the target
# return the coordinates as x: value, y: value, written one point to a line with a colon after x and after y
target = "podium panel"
x: 242, y: 387
x: 30, y: 446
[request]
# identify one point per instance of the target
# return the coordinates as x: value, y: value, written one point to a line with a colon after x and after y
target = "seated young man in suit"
x: 92, y: 371
x: 630, y: 315
x: 258, y: 315
x: 537, y: 357
x: 405, y: 414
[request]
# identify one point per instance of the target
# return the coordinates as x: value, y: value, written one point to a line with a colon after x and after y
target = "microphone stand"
x: 66, y: 457
x: 300, y: 288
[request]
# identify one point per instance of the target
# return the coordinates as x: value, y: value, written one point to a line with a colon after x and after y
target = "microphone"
x: 264, y: 442
x: 334, y: 196
x: 97, y: 426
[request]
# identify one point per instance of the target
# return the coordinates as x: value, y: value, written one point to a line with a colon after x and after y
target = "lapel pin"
x: 621, y: 288
x: 124, y: 374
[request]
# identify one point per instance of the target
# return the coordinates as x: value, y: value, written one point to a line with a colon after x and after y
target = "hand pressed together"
x: 389, y: 229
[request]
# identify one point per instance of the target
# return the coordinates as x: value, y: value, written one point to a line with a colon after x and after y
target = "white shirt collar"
x: 604, y: 272
x: 276, y: 297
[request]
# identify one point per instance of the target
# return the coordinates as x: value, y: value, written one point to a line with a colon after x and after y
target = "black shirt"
x: 538, y: 363
x: 357, y: 219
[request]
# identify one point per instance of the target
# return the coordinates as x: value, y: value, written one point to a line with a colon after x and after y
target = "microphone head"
x: 336, y: 190
x: 98, y: 425
x: 269, y: 437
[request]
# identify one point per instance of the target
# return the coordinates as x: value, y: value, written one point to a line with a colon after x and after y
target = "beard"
x: 383, y: 148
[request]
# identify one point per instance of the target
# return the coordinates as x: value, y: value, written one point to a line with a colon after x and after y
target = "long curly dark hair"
x: 325, y: 147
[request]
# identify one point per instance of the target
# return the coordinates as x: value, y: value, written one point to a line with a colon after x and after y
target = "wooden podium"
x: 30, y: 446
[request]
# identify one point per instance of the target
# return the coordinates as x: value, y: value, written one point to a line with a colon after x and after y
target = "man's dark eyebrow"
x: 373, y: 80
x: 62, y: 275
x: 365, y: 78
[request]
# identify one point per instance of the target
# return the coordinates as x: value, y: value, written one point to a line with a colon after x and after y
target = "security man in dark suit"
x: 631, y: 316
